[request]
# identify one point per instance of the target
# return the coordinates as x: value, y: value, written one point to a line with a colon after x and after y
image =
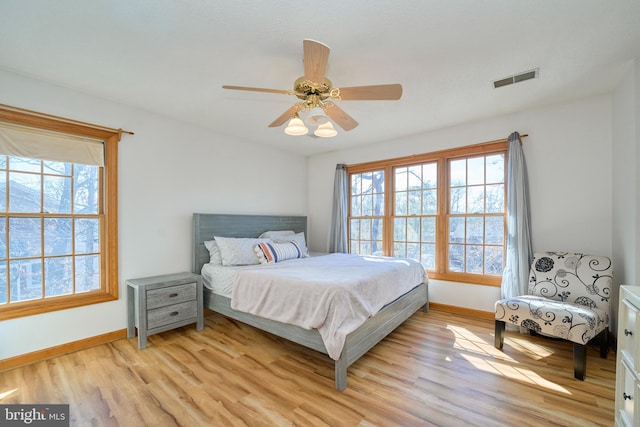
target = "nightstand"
x: 160, y: 303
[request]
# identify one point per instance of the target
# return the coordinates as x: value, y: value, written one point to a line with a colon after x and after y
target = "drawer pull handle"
x: 173, y: 313
x: 173, y: 295
x: 626, y: 396
x: 627, y: 332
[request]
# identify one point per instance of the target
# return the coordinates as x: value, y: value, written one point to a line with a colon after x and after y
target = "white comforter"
x: 334, y: 293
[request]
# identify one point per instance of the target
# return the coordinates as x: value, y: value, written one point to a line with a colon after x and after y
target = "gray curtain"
x: 519, y: 251
x: 338, y: 234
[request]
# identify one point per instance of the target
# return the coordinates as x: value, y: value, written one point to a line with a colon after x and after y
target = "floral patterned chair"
x: 568, y: 298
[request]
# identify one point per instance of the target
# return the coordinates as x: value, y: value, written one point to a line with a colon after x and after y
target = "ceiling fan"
x: 316, y: 94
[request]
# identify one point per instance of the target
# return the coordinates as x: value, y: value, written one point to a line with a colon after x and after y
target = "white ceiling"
x: 171, y: 57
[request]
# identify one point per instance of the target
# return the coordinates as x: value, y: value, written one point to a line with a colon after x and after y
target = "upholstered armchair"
x: 568, y: 298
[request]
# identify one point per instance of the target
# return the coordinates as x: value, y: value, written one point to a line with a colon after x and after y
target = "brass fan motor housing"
x: 305, y: 89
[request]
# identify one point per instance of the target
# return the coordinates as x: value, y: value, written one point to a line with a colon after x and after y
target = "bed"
x: 357, y: 343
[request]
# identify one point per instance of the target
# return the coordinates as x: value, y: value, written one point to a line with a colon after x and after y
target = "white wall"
x: 625, y: 199
x: 568, y: 154
x: 167, y: 171
x: 636, y: 92
x: 626, y: 202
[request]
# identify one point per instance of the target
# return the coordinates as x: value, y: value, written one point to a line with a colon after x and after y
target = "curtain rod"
x: 524, y: 135
x: 64, y: 119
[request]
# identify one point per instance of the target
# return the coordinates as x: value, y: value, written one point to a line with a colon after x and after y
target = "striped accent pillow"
x: 269, y: 253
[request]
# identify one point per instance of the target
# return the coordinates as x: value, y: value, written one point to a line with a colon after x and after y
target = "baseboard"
x: 59, y: 350
x: 462, y: 310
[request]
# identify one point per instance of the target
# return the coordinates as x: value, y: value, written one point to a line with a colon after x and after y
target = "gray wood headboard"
x: 205, y: 226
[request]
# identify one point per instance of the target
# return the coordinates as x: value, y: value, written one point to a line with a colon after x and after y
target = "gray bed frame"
x: 358, y: 342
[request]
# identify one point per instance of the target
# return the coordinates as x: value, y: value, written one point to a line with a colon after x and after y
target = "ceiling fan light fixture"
x: 296, y: 127
x: 325, y: 130
x: 316, y: 117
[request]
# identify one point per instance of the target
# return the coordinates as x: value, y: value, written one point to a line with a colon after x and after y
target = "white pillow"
x: 269, y: 253
x: 238, y: 250
x: 272, y: 234
x: 298, y: 238
x: 215, y: 257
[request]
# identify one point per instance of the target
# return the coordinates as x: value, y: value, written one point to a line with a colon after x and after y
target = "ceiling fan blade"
x: 287, y: 115
x: 338, y: 115
x: 257, y: 89
x: 316, y: 56
x: 371, y: 93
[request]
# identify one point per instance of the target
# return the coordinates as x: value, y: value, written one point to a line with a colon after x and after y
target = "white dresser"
x: 628, y: 358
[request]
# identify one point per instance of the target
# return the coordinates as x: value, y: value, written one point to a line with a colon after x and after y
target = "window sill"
x: 29, y: 308
x: 473, y: 279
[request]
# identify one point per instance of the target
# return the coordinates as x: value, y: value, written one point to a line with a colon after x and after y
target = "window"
x: 476, y: 215
x: 444, y: 209
x: 58, y: 206
x: 366, y: 225
x: 415, y: 212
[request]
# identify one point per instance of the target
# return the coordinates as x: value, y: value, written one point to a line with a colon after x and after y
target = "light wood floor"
x: 436, y: 369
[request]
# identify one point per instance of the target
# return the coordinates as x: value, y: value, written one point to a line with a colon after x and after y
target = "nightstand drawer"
x: 171, y: 295
x: 626, y: 402
x: 171, y: 314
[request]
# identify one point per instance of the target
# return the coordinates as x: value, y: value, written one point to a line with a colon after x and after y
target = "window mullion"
x: 385, y: 218
x: 43, y: 282
x: 390, y: 208
x: 442, y: 218
x: 73, y: 231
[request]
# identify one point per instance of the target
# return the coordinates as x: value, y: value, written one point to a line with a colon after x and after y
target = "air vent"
x: 527, y: 75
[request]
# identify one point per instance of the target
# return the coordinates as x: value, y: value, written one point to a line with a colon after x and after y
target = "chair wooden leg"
x: 499, y: 339
x: 604, y: 343
x: 579, y: 361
